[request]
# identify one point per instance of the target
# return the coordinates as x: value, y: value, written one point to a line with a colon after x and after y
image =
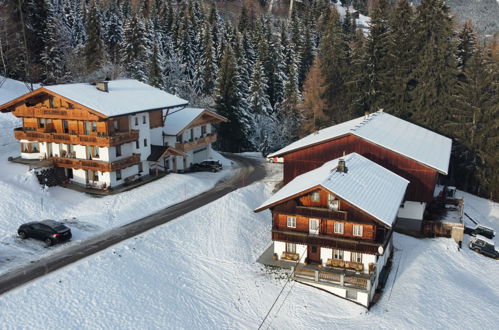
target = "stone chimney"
x: 103, y: 86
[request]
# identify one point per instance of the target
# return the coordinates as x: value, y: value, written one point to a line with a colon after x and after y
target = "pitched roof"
x: 178, y: 120
x: 124, y: 97
x: 390, y: 132
x: 366, y: 185
x: 11, y: 89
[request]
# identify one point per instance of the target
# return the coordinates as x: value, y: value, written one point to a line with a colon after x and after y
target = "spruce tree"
x: 94, y: 52
x: 134, y: 49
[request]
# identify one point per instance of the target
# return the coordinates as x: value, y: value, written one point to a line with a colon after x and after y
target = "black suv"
x: 207, y: 165
x: 480, y: 230
x: 49, y: 231
x: 484, y: 246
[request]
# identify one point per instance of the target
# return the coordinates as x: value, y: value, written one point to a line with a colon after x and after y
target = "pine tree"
x: 113, y: 31
x: 56, y: 47
x: 466, y: 45
x: 94, y: 53
x: 260, y: 108
x: 232, y: 135
x: 134, y: 50
x: 156, y: 70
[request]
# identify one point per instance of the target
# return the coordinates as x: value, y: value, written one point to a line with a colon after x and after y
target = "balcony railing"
x: 54, y: 113
x: 312, y: 212
x: 189, y: 145
x: 363, y: 246
x: 90, y: 140
x: 334, y: 277
x: 95, y: 165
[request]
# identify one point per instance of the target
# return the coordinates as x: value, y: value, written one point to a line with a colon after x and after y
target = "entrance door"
x: 314, y: 253
x: 313, y: 226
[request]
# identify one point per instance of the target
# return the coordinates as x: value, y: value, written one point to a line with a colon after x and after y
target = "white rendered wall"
x: 125, y: 173
x: 280, y: 247
x: 200, y: 155
x: 412, y: 210
x: 79, y: 176
x: 157, y: 136
x: 144, y: 133
x: 326, y: 254
x: 127, y: 149
x: 80, y: 152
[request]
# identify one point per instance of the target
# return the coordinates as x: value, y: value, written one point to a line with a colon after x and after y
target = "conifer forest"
x: 278, y: 76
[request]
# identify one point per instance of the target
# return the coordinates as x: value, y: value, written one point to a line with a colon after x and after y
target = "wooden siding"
x: 204, y: 141
x: 422, y: 178
x: 95, y: 165
x: 156, y: 119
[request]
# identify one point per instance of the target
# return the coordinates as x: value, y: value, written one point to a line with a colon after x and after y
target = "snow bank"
x: 199, y: 271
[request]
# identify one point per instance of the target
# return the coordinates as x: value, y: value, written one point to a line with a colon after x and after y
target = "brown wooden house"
x: 338, y: 220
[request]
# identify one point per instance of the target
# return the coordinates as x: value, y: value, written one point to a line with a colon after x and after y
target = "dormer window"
x: 316, y: 196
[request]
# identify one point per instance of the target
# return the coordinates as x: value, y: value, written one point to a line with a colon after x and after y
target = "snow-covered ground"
x: 23, y: 200
x: 199, y: 272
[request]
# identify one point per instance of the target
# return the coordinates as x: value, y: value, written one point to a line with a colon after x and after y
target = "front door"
x: 313, y: 226
x: 314, y: 253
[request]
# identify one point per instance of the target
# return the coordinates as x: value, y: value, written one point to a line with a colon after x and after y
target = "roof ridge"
x: 366, y: 120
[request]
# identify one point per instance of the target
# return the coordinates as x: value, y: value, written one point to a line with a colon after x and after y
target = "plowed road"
x: 249, y: 171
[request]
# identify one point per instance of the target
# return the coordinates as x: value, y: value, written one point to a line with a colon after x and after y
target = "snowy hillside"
x: 199, y: 272
x: 10, y: 89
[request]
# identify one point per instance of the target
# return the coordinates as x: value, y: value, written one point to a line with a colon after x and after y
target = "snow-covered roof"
x: 178, y: 120
x: 11, y: 89
x: 390, y: 132
x: 366, y: 185
x: 124, y: 96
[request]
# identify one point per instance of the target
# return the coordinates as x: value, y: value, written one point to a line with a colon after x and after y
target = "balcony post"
x: 368, y: 284
x: 342, y: 279
x: 316, y: 276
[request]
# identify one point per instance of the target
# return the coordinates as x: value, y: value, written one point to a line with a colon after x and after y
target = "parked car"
x: 214, y: 163
x: 49, y: 231
x: 206, y: 166
x: 484, y: 246
x: 480, y: 230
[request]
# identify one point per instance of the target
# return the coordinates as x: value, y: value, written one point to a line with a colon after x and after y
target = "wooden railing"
x: 90, y: 140
x: 54, y: 113
x: 333, y: 277
x: 95, y: 165
x: 186, y: 146
x: 312, y: 212
x: 364, y: 246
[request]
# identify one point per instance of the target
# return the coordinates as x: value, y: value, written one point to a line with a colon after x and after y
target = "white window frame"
x: 338, y: 254
x: 290, y: 248
x: 291, y: 222
x: 316, y: 196
x: 356, y: 257
x: 358, y: 230
x: 341, y: 227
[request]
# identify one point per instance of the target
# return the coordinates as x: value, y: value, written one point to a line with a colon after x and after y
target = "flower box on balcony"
x: 290, y: 256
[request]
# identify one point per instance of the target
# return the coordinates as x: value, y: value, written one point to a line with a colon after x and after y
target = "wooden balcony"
x: 95, y: 165
x: 312, y: 212
x: 334, y: 277
x: 201, y: 142
x: 54, y: 113
x: 88, y: 140
x: 334, y: 242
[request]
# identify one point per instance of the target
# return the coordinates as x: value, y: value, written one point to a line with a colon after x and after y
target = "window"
x: 291, y: 222
x: 116, y: 125
x: 95, y: 152
x: 333, y: 203
x: 94, y: 126
x: 316, y: 196
x: 145, y: 142
x: 338, y: 254
x: 137, y: 144
x: 41, y: 123
x: 141, y: 169
x: 51, y: 102
x: 357, y: 230
x: 203, y: 130
x: 71, y: 106
x: 144, y: 120
x: 179, y: 138
x: 34, y: 147
x: 87, y: 127
x: 118, y: 175
x: 339, y: 228
x: 93, y: 176
x: 192, y: 134
x: 136, y: 121
x: 356, y: 257
x: 290, y: 247
x: 118, y: 151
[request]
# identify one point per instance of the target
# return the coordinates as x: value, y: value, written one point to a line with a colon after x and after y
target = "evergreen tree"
x: 94, y: 53
x: 134, y: 50
x: 156, y: 70
x: 260, y: 108
x: 113, y: 31
x: 466, y: 45
x: 313, y: 108
x: 233, y: 135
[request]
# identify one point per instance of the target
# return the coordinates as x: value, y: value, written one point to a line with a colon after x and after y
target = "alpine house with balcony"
x: 187, y: 137
x: 99, y: 134
x: 334, y: 225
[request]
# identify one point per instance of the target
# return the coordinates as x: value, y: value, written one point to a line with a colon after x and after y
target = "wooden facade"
x: 422, y: 178
x: 314, y: 204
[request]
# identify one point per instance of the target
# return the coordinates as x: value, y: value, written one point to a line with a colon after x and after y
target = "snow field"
x: 199, y: 272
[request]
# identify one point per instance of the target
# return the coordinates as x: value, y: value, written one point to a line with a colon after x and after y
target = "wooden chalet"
x: 100, y: 134
x: 335, y: 225
x: 413, y: 152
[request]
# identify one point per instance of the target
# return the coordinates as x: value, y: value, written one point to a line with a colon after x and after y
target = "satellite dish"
x: 380, y: 249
